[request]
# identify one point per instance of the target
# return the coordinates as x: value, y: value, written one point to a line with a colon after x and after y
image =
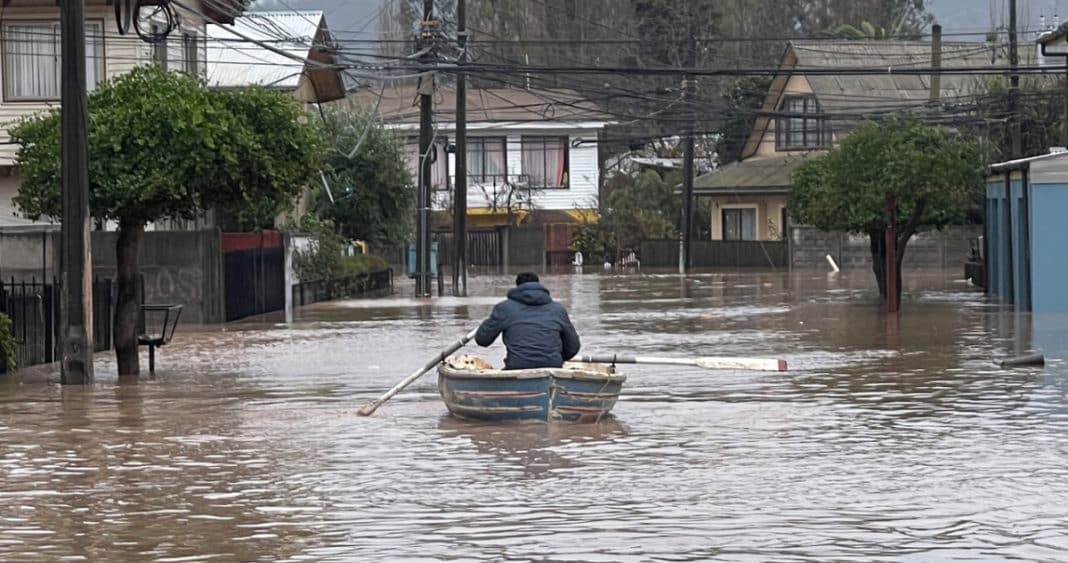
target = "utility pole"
x: 459, y: 220
x: 936, y: 63
x: 687, y: 162
x: 1014, y: 85
x: 76, y: 264
x: 426, y: 108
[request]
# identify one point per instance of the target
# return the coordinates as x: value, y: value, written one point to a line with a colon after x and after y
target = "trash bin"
x: 433, y: 259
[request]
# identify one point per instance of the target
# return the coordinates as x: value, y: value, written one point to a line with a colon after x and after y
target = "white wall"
x: 583, y: 173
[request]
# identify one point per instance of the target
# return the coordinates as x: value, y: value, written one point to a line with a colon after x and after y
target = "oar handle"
x: 609, y: 359
x: 371, y: 407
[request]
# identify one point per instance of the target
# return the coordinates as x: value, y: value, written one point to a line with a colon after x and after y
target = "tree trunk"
x: 128, y: 306
x: 878, y: 259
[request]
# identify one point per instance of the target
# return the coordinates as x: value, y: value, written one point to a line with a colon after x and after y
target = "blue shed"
x: 1026, y: 234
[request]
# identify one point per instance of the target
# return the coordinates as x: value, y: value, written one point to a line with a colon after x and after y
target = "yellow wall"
x: 795, y: 85
x: 768, y: 214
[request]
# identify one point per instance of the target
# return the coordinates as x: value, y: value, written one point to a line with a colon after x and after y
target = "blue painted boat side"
x: 543, y: 395
x: 573, y: 399
x: 496, y: 398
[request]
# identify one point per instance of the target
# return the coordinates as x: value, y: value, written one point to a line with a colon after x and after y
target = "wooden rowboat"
x: 577, y: 392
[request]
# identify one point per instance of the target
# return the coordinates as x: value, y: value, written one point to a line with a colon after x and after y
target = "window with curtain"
x: 739, y: 224
x: 189, y: 53
x: 798, y: 131
x: 31, y: 59
x: 545, y: 161
x: 439, y: 164
x: 487, y: 161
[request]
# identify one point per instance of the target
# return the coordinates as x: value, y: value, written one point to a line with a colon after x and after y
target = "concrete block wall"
x: 948, y: 248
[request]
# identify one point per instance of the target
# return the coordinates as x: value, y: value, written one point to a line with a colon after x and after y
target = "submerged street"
x: 899, y: 441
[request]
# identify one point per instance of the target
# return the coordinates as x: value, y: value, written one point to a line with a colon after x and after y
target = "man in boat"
x: 537, y: 331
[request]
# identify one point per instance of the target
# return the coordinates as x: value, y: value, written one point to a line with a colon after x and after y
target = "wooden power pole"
x: 459, y: 221
x: 76, y: 263
x: 426, y: 108
x: 687, y: 161
x: 1014, y: 85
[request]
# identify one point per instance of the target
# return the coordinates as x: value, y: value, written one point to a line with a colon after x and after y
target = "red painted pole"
x: 891, y: 255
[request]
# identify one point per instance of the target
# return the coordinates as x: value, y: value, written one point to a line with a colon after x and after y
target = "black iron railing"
x: 33, y: 307
x: 306, y: 293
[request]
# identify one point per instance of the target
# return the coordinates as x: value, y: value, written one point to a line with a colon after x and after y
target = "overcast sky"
x: 956, y: 16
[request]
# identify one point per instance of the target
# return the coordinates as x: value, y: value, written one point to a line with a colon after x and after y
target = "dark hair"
x: 526, y: 277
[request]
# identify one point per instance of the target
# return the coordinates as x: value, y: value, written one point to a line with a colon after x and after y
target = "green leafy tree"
x: 634, y: 209
x: 162, y: 146
x: 1042, y: 119
x: 372, y: 196
x: 743, y: 100
x: 932, y: 177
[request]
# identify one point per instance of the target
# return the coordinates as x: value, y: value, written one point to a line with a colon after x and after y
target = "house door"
x: 739, y: 224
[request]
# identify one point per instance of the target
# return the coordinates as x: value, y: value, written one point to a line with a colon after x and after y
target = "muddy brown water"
x: 888, y: 441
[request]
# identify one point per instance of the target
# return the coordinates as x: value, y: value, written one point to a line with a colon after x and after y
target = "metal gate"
x: 483, y: 247
x: 254, y: 273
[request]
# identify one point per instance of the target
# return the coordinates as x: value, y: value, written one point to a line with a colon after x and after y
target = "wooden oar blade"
x: 743, y: 364
x: 371, y: 407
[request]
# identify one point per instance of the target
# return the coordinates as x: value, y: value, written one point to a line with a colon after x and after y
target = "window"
x: 159, y: 48
x: 439, y: 164
x: 31, y: 59
x: 487, y: 163
x: 793, y: 133
x: 190, y: 53
x: 739, y: 224
x: 545, y: 161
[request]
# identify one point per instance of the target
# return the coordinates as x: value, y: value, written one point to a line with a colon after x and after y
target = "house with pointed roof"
x: 808, y: 110
x: 289, y: 51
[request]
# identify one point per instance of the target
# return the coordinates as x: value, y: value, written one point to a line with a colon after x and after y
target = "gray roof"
x: 871, y: 94
x: 398, y: 104
x: 296, y: 41
x: 852, y: 98
x: 767, y: 175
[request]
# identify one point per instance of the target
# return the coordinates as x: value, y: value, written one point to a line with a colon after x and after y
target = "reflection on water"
x: 537, y: 449
x: 891, y: 439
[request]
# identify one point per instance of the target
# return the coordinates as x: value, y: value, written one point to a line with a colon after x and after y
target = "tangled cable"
x: 161, y: 19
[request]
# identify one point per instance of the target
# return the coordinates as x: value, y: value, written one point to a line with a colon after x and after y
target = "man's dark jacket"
x: 537, y: 330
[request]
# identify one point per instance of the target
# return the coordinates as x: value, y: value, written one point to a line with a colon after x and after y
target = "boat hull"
x: 471, y: 389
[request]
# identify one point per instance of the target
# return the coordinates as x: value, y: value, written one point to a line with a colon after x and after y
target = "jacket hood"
x: 530, y: 293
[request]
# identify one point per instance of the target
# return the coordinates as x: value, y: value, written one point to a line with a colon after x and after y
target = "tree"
x: 162, y: 146
x: 931, y: 176
x: 1041, y: 115
x: 744, y: 99
x: 635, y: 208
x: 372, y: 195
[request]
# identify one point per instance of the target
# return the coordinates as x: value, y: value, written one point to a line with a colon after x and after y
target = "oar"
x: 706, y: 362
x: 371, y: 407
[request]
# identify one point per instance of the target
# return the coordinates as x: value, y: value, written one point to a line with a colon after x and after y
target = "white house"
x: 292, y: 52
x: 529, y: 152
x: 30, y: 62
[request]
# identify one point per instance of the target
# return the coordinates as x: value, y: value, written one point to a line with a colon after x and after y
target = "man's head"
x: 526, y: 277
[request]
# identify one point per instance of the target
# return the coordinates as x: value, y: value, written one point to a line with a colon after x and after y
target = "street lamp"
x: 157, y: 328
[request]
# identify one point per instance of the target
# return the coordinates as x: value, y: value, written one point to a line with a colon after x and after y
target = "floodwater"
x: 887, y: 441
